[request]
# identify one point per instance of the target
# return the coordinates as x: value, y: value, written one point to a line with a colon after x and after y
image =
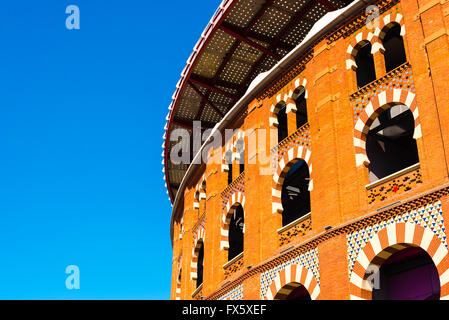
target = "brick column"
x: 334, y: 277
x: 428, y: 53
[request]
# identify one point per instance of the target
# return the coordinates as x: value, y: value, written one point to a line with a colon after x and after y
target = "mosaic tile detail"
x: 308, y: 260
x: 300, y: 137
x: 429, y: 216
x: 400, y: 78
x: 234, y: 294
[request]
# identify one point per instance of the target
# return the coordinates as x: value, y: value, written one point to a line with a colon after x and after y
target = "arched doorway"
x: 409, y: 274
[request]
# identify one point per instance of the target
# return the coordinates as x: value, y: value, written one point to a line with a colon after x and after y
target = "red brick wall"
x: 339, y: 193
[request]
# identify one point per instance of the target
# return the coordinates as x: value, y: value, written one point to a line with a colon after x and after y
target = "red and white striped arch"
x: 385, y: 24
x: 290, y: 278
x: 373, y: 109
x: 238, y: 198
x: 389, y: 240
x: 351, y: 52
x: 200, y: 193
x: 178, y: 279
x: 290, y: 158
x: 198, y: 240
x: 288, y: 100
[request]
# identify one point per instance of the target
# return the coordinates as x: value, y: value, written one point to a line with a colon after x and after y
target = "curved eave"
x: 243, y: 39
x: 219, y: 15
x: 324, y: 25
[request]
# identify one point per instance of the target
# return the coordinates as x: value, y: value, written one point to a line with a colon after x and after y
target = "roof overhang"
x: 210, y: 92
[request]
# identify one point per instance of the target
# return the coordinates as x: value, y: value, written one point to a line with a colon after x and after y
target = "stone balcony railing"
x: 198, y: 293
x: 238, y: 181
x: 394, y: 184
x: 233, y: 265
x: 297, y: 228
x: 201, y: 218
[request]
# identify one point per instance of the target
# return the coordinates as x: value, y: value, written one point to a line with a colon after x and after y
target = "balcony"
x: 198, y: 293
x: 238, y: 183
x: 297, y: 228
x: 233, y: 265
x: 396, y: 183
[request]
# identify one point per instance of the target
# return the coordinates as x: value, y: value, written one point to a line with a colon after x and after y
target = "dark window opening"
x: 199, y: 278
x: 295, y: 193
x: 230, y: 173
x: 365, y: 72
x: 282, y: 124
x: 299, y: 294
x: 390, y: 146
x: 236, y: 227
x: 228, y: 159
x: 394, y: 48
x: 180, y: 276
x: 241, y: 151
x: 301, y: 110
x: 409, y: 274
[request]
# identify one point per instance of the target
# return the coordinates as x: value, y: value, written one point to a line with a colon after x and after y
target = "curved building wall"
x: 353, y: 225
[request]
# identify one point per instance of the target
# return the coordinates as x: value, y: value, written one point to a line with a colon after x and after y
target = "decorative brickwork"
x: 232, y: 196
x: 198, y: 294
x: 307, y: 267
x: 198, y: 239
x: 296, y: 230
x: 289, y: 159
x: 429, y: 216
x: 395, y: 186
x: 382, y: 101
x: 399, y: 78
x: 235, y: 266
x: 356, y: 225
x: 393, y: 238
x: 234, y: 294
x: 375, y: 37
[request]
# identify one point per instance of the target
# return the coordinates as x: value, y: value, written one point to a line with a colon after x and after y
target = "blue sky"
x: 81, y: 124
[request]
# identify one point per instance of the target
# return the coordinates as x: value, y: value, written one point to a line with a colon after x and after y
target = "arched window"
x: 301, y: 109
x: 240, y: 146
x: 282, y: 123
x: 236, y: 227
x: 295, y: 195
x: 228, y: 159
x: 199, y: 279
x: 394, y: 48
x: 390, y: 146
x: 409, y: 274
x: 365, y: 72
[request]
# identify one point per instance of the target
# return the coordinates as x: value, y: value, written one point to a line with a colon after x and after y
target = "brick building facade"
x: 365, y: 105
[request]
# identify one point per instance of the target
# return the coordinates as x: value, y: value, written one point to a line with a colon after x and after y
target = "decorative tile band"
x: 429, y: 216
x: 234, y: 294
x: 308, y: 260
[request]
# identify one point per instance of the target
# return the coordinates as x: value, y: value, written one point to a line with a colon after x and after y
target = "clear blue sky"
x: 81, y: 124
